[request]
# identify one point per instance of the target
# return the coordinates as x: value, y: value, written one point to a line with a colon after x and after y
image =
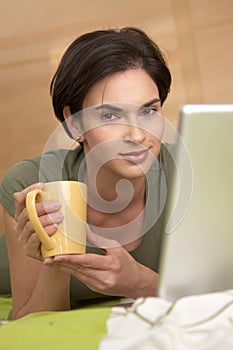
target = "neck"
x: 107, y: 189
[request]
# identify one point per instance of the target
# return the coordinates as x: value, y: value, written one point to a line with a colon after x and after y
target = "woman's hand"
x: 49, y: 217
x: 116, y: 273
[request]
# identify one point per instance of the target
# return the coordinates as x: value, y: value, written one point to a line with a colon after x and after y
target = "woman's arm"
x: 116, y: 273
x: 35, y: 287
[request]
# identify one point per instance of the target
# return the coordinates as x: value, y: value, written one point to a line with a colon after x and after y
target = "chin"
x: 133, y: 171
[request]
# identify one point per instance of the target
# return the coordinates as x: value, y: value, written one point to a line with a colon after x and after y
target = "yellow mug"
x: 70, y: 237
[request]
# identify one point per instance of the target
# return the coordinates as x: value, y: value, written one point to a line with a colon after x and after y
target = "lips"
x: 135, y: 157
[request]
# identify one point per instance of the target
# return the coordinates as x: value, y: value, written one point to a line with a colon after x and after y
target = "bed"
x: 77, y: 329
x: 201, y: 322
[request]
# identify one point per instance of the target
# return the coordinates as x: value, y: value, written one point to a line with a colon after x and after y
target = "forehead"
x: 131, y: 87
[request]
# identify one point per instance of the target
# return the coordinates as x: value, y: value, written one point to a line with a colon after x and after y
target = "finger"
x: 51, y: 219
x: 50, y: 229
x: 46, y: 220
x: 30, y: 242
x: 90, y: 281
x: 28, y: 238
x: 47, y: 207
x: 34, y: 240
x: 75, y: 270
x: 86, y: 261
x: 23, y: 220
x: 96, y: 280
x: 25, y: 228
x: 25, y: 232
x: 49, y: 260
x: 42, y: 207
x: 21, y: 196
x: 32, y: 247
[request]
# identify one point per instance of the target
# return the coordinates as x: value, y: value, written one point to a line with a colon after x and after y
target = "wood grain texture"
x: 196, y: 37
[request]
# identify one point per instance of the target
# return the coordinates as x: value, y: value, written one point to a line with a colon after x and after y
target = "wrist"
x: 146, y: 284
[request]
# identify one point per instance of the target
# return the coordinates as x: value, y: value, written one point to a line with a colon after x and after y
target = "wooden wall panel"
x: 25, y: 111
x: 207, y: 13
x: 32, y: 39
x: 216, y: 61
x: 213, y: 34
x: 196, y: 36
x: 187, y: 51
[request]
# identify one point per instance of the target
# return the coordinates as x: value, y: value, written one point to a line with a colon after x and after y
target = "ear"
x: 73, y: 124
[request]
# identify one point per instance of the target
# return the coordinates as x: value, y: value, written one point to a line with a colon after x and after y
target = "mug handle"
x: 31, y: 199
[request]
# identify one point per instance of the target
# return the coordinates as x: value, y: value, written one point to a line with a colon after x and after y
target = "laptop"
x: 197, y: 246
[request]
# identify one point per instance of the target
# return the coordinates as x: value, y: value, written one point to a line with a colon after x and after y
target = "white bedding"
x: 202, y: 322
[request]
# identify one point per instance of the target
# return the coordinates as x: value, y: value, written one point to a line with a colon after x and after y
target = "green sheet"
x: 5, y: 308
x: 77, y: 329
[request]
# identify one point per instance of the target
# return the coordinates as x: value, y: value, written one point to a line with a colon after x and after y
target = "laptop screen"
x: 197, y: 249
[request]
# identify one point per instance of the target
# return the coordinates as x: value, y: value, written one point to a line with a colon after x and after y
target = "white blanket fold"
x: 201, y: 322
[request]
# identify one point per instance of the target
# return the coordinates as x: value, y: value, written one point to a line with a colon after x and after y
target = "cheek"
x: 94, y: 137
x: 156, y: 148
x: 103, y: 135
x: 100, y: 152
x: 156, y: 129
x: 154, y: 134
x: 102, y: 143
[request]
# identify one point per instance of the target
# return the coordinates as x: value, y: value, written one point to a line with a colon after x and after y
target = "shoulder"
x: 51, y: 166
x: 60, y: 164
x: 21, y: 173
x: 20, y: 176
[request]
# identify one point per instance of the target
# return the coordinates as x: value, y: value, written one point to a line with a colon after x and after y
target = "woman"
x: 107, y: 92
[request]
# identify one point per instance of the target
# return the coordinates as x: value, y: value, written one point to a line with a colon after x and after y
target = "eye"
x: 149, y: 112
x: 108, y: 117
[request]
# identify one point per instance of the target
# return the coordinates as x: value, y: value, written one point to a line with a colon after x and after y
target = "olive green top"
x: 65, y: 164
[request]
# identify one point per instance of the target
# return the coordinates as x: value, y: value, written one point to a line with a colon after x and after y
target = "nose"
x: 134, y: 134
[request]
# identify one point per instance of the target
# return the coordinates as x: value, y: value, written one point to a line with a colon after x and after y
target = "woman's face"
x: 123, y: 124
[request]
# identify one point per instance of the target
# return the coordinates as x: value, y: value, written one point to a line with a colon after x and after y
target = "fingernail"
x: 56, y: 205
x: 48, y: 261
x: 58, y: 216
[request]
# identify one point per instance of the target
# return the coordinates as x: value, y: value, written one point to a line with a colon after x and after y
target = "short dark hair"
x: 95, y: 55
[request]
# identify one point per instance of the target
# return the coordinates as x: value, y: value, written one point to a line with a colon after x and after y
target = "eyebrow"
x: 109, y: 107
x: 151, y: 102
x: 118, y: 109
